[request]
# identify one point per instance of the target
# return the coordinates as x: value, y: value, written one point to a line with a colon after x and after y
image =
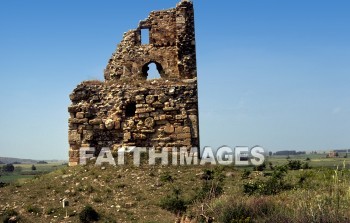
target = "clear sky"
x: 271, y: 73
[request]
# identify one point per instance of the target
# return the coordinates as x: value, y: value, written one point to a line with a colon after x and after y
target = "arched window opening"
x: 152, y: 70
x: 130, y: 110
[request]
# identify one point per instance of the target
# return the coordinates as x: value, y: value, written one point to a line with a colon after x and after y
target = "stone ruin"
x: 127, y: 109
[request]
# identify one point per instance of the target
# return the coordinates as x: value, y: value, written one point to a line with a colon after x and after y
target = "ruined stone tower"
x: 130, y: 110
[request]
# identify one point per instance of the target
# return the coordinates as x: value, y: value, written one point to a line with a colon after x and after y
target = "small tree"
x: 88, y: 214
x: 261, y: 167
x: 33, y: 167
x: 8, y: 168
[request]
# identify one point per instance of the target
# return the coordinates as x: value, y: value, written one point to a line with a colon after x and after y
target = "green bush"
x: 50, y: 211
x: 173, y: 202
x: 273, y: 185
x: 233, y: 210
x: 261, y: 167
x: 166, y: 177
x: 207, y: 175
x: 294, y: 164
x: 212, y: 185
x: 250, y: 188
x: 297, y: 165
x: 8, y: 214
x: 233, y: 214
x: 33, y: 209
x: 246, y: 173
x: 8, y: 168
x: 88, y: 214
x: 306, y: 166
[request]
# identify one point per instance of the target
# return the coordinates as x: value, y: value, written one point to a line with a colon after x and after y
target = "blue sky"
x: 271, y: 73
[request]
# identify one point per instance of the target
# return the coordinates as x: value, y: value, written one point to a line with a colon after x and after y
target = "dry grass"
x: 135, y: 194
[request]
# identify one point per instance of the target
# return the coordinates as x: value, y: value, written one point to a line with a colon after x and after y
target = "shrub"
x: 88, y: 214
x: 2, y: 184
x: 173, y: 202
x: 261, y: 167
x: 8, y: 168
x: 33, y: 209
x: 239, y: 213
x: 294, y: 164
x: 305, y: 166
x: 33, y: 167
x: 297, y: 165
x: 233, y: 210
x: 97, y: 199
x: 8, y: 214
x: 212, y: 185
x: 250, y: 187
x: 207, y: 175
x: 50, y: 211
x: 246, y: 173
x: 273, y: 185
x: 166, y: 177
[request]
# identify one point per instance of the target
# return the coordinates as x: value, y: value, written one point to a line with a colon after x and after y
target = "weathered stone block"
x: 149, y: 122
x: 80, y: 115
x: 78, y: 121
x: 183, y: 136
x: 179, y: 129
x: 74, y: 137
x: 194, y: 126
x: 88, y: 135
x: 127, y: 136
x: 150, y: 99
x: 169, y: 129
x: 117, y: 125
x: 143, y: 115
x: 96, y: 121
x: 109, y: 124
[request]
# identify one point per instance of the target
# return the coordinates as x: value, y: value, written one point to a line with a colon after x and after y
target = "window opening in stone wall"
x: 145, y: 36
x: 152, y: 70
x: 130, y: 109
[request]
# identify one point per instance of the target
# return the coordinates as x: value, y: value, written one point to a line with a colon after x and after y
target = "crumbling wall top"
x: 171, y: 47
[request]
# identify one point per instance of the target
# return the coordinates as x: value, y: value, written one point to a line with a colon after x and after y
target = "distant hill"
x: 7, y: 160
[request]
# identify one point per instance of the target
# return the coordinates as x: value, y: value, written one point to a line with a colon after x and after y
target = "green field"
x: 316, y: 160
x: 24, y: 171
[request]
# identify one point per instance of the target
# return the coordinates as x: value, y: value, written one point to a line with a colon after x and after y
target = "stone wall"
x: 129, y: 110
x: 171, y: 46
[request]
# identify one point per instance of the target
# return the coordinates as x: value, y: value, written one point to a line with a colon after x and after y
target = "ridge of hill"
x: 8, y: 160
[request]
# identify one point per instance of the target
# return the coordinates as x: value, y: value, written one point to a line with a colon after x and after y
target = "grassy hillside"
x: 161, y: 194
